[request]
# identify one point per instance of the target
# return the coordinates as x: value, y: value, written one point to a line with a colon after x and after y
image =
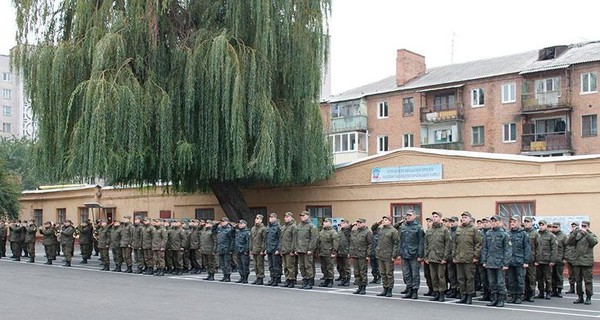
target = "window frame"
x: 380, y: 140
x: 504, y: 126
x: 411, y: 142
x: 6, y: 77
x: 408, y: 205
x: 480, y: 98
x: 209, y: 216
x: 408, y: 101
x: 383, y: 110
x: 589, y: 91
x: 6, y: 125
x: 6, y: 94
x: 593, y: 131
x: 61, y: 215
x: 480, y: 134
x: 4, y: 109
x: 512, y: 86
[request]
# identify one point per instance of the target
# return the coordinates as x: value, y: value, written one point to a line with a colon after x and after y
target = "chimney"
x: 408, y: 66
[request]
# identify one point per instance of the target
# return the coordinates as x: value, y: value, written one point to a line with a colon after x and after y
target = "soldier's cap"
x: 556, y: 224
x: 225, y: 219
x: 410, y: 212
x: 259, y: 216
x: 48, y: 222
x: 288, y: 214
x: 454, y: 218
x: 479, y: 220
x: 574, y: 224
x: 438, y: 213
x: 466, y: 213
x: 209, y: 222
x: 127, y: 217
x: 527, y: 219
x: 445, y: 219
x: 156, y: 219
x: 272, y: 215
x: 242, y: 222
x: 495, y: 217
x: 304, y: 213
x: 327, y: 219
x: 515, y: 218
x: 385, y: 217
x: 361, y: 220
x: 585, y: 223
x: 194, y: 220
x: 344, y: 220
x: 543, y: 222
x: 428, y: 219
x: 146, y: 219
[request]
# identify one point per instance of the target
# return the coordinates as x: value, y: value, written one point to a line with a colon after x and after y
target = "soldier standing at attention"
x: 306, y: 245
x: 286, y: 250
x: 49, y: 240
x: 15, y: 239
x: 485, y: 284
x: 272, y: 238
x: 159, y: 245
x: 94, y: 239
x: 257, y: 248
x: 242, y: 249
x: 342, y: 260
x: 583, y: 241
x: 372, y: 256
x: 136, y: 244
x: 387, y: 252
x: 67, y: 241
x: 126, y: 243
x: 85, y: 230
x: 451, y: 275
x: 225, y: 246
x: 558, y: 268
x: 546, y: 256
x: 361, y: 245
x: 115, y: 245
x: 103, y: 235
x: 31, y: 230
x: 569, y: 259
x: 495, y: 256
x: 168, y: 252
x: 466, y: 249
x: 194, y: 244
x: 530, y: 272
x: 519, y: 261
x: 411, y: 249
x: 328, y: 246
x: 208, y: 248
x: 426, y: 269
x: 3, y: 234
x: 437, y: 249
x: 147, y: 232
x: 177, y: 246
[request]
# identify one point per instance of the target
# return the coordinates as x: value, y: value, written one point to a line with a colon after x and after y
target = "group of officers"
x: 459, y: 255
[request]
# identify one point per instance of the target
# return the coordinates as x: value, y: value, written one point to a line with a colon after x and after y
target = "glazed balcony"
x: 350, y: 123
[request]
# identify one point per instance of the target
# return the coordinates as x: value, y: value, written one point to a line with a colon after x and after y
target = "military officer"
x: 147, y: 232
x: 225, y: 246
x: 176, y: 245
x: 272, y: 238
x: 49, y: 241
x: 569, y: 259
x: 3, y: 235
x: 361, y: 244
x: 328, y: 245
x: 159, y: 246
x: 242, y: 249
x: 387, y: 252
x: 342, y: 261
x: 194, y: 245
x: 67, y: 241
x: 546, y: 256
x: 519, y: 261
x: 85, y: 230
x: 208, y: 248
x: 136, y: 244
x: 286, y: 250
x: 15, y: 239
x: 257, y: 248
x: 411, y: 249
x: 466, y: 250
x: 31, y: 230
x: 115, y: 245
x: 558, y: 268
x: 530, y: 272
x: 437, y: 249
x: 495, y: 257
x: 103, y: 235
x: 584, y: 242
x: 126, y: 243
x: 451, y: 275
x: 306, y: 245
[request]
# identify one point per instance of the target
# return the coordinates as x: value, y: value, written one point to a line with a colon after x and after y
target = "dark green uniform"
x: 115, y: 245
x: 558, y: 268
x: 3, y: 234
x: 467, y: 245
x: 545, y: 256
x: 386, y: 252
x: 437, y: 248
x: 208, y: 248
x: 176, y: 245
x: 103, y: 236
x: 159, y: 243
x: 31, y: 231
x: 49, y: 241
x: 361, y: 245
x: 194, y: 246
x: 342, y: 259
x: 530, y: 274
x: 257, y: 249
x: 306, y: 245
x: 286, y: 249
x: 15, y: 240
x: 67, y: 242
x: 495, y: 255
x: 147, y: 232
x: 85, y: 241
x: 136, y: 245
x: 328, y: 244
x: 126, y: 245
x: 583, y: 262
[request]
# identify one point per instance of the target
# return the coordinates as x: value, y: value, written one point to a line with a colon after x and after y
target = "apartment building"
x: 16, y: 115
x: 539, y: 103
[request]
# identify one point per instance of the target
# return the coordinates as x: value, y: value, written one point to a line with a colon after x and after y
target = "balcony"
x: 435, y: 114
x: 546, y: 142
x: 444, y: 146
x: 350, y: 123
x: 544, y: 102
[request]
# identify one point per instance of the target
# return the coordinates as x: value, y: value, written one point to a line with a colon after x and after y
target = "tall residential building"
x: 540, y: 103
x: 15, y: 116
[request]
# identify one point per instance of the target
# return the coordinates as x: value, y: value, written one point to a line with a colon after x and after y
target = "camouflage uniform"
x: 342, y: 260
x: 583, y: 261
x: 257, y: 249
x: 286, y: 250
x: 361, y: 244
x: 327, y: 244
x: 466, y: 250
x: 558, y: 268
x: 437, y: 249
x: 546, y: 256
x: 386, y: 252
x: 306, y: 245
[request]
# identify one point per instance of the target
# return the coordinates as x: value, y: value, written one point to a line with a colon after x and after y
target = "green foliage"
x: 9, y: 193
x: 177, y: 90
x: 18, y: 159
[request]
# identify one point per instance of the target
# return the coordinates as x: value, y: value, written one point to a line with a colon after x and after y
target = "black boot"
x: 150, y: 271
x: 389, y: 292
x: 517, y: 299
x: 415, y: 294
x: 84, y: 261
x: 500, y: 302
x: 540, y: 295
x: 559, y: 293
x: 450, y: 293
x: 383, y: 293
x: 493, y: 300
x: 405, y: 291
x: 276, y: 282
x: 436, y: 296
x: 345, y: 283
x: 469, y: 299
x: 304, y: 283
x: 512, y: 299
x: 588, y: 299
x: 228, y: 278
x: 309, y: 284
x: 429, y: 292
x: 139, y: 271
x: 210, y: 277
x: 129, y: 269
x: 245, y: 278
x: 330, y: 283
x: 339, y: 278
x: 241, y: 280
x: 67, y: 264
x: 463, y: 299
x: 270, y: 281
x: 324, y: 283
x: 106, y: 267
x: 363, y: 290
x: 442, y: 296
x: 259, y: 281
x: 571, y: 289
x: 485, y: 296
x: 579, y: 300
x: 160, y: 272
x: 548, y: 295
x: 357, y: 290
x: 31, y: 259
x: 292, y: 284
x: 48, y: 262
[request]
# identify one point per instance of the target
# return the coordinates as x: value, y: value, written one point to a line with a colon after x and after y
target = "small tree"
x: 206, y: 94
x: 9, y: 194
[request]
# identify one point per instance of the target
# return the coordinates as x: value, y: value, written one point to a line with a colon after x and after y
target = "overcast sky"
x: 365, y: 34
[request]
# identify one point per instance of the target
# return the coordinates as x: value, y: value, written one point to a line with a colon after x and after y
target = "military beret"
x: 243, y: 222
x: 497, y: 218
x: 225, y: 219
x: 361, y: 220
x: 454, y: 218
x: 260, y: 216
x: 304, y: 213
x: 543, y: 222
x: 527, y: 219
x: 587, y: 223
x: 466, y: 213
x: 288, y: 214
x: 273, y: 215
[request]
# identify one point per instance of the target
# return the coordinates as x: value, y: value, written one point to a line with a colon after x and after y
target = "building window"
x: 319, y: 212
x: 140, y: 214
x: 477, y: 98
x: 408, y: 140
x: 7, y: 110
x: 6, y: 76
x: 61, y: 215
x: 520, y: 208
x: 349, y: 141
x: 589, y: 125
x: 6, y: 93
x: 164, y: 214
x: 38, y: 215
x: 382, y: 110
x: 399, y: 211
x: 258, y: 210
x: 6, y: 127
x: 443, y: 136
x: 588, y: 82
x: 478, y: 136
x: 443, y: 102
x: 109, y: 214
x: 84, y: 214
x: 204, y: 213
x: 408, y: 106
x: 382, y: 143
x: 509, y: 132
x: 509, y: 93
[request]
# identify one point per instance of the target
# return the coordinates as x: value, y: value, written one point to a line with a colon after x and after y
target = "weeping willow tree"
x: 204, y: 94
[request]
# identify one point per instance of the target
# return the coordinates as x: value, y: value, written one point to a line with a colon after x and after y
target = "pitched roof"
x: 519, y: 63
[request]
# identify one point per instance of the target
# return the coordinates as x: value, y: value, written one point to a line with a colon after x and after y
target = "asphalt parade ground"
x: 39, y: 291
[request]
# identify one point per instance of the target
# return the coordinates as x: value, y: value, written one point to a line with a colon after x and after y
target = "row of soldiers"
x: 454, y: 254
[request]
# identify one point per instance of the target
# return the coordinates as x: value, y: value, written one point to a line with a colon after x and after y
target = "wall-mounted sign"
x: 407, y: 173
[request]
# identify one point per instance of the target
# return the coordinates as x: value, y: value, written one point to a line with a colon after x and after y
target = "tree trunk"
x: 232, y: 201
